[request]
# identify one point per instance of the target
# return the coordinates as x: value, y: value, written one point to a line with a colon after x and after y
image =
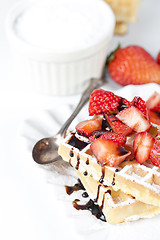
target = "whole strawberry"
x: 133, y: 65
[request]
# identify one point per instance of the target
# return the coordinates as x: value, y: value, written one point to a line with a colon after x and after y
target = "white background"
x: 27, y: 208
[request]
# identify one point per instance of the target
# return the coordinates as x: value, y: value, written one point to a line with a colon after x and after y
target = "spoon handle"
x: 94, y: 83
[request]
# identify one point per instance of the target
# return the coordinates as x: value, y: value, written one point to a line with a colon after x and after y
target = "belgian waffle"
x: 140, y: 180
x: 117, y: 206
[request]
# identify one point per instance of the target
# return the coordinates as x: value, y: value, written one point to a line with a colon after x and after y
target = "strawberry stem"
x: 111, y: 55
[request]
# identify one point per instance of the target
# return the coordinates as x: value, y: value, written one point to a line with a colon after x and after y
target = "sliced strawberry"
x: 140, y: 104
x: 153, y: 102
x: 142, y: 146
x: 102, y: 101
x: 115, y: 137
x: 108, y: 152
x: 154, y: 117
x: 155, y: 152
x: 134, y: 118
x: 117, y: 126
x: 87, y: 127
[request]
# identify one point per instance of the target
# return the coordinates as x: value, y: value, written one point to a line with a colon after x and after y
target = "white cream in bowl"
x: 60, y: 44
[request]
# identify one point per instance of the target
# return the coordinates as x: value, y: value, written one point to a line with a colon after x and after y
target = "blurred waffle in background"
x: 125, y: 12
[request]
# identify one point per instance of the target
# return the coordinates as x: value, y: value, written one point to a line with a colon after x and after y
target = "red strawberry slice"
x: 140, y: 104
x: 155, y: 152
x: 102, y: 101
x: 85, y: 128
x: 142, y: 146
x: 134, y: 118
x: 154, y: 117
x: 117, y: 126
x: 108, y: 152
x: 153, y: 102
x: 115, y: 137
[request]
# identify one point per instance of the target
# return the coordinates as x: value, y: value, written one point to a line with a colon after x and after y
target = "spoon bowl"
x: 45, y: 150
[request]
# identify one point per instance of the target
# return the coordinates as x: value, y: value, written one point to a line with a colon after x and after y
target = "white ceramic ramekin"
x: 59, y: 73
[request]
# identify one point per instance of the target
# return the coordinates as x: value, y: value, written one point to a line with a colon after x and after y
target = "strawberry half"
x: 115, y: 137
x: 155, y: 152
x: 153, y: 102
x: 134, y: 118
x: 117, y: 126
x: 140, y: 104
x: 85, y: 128
x: 108, y: 152
x: 142, y: 146
x: 102, y: 101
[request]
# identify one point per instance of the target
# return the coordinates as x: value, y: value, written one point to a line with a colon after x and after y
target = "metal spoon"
x: 46, y: 150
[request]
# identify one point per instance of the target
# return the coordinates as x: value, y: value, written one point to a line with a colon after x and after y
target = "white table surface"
x: 27, y: 202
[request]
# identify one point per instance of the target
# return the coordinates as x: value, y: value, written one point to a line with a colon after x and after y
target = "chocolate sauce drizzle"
x: 87, y: 162
x: 85, y: 173
x: 102, y: 176
x: 78, y: 186
x: 113, y: 181
x: 75, y: 142
x: 92, y: 207
x: 85, y: 194
x: 98, y: 191
x: 78, y: 162
x: 71, y: 154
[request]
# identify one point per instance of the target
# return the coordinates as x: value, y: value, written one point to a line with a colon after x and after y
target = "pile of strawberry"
x: 128, y: 134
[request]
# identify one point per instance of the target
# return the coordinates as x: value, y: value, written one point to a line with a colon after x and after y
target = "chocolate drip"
x: 87, y: 162
x: 85, y: 173
x: 71, y: 154
x: 75, y: 142
x: 102, y: 176
x: 98, y: 190
x: 85, y: 195
x: 78, y: 162
x: 92, y: 207
x: 113, y: 181
x: 78, y: 186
